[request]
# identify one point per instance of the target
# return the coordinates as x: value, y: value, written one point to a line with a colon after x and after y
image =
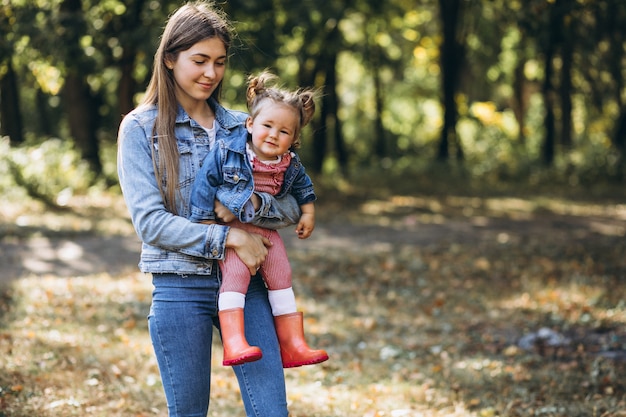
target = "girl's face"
x: 272, y: 130
x: 198, y: 71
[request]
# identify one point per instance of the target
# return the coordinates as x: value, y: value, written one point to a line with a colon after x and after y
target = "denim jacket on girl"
x: 227, y: 174
x: 172, y: 243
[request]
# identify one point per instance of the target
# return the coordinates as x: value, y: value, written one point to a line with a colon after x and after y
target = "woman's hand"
x: 250, y: 247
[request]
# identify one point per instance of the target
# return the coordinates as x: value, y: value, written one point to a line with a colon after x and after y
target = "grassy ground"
x: 428, y: 306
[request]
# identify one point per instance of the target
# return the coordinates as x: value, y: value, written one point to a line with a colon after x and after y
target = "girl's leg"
x: 232, y: 299
x: 235, y: 274
x: 181, y: 327
x: 288, y: 321
x: 262, y: 383
x: 276, y: 272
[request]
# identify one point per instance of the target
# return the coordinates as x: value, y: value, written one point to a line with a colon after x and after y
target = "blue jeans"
x: 181, y: 320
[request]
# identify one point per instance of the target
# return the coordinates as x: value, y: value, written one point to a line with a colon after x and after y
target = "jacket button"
x: 215, y: 252
x: 236, y: 178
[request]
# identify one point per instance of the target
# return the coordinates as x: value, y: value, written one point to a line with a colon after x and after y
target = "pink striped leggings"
x: 276, y: 270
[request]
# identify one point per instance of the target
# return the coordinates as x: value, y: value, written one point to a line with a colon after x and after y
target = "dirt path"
x: 68, y: 256
x: 85, y: 254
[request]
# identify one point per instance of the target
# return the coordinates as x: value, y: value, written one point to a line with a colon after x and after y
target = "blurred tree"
x: 10, y: 114
x: 101, y: 52
x: 74, y: 67
x: 452, y: 51
x: 612, y: 18
x: 125, y: 38
x: 559, y: 42
x: 126, y: 35
x: 383, y: 54
x: 549, y: 44
x: 81, y: 104
x: 302, y: 43
x: 578, y: 40
x: 326, y: 70
x: 568, y: 45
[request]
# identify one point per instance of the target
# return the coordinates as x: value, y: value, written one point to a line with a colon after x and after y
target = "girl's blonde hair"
x: 190, y: 24
x: 263, y: 87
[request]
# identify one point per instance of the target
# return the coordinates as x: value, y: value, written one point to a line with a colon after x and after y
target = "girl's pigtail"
x: 258, y: 86
x: 251, y: 92
x: 307, y: 98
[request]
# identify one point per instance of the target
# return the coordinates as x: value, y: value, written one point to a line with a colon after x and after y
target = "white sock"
x: 231, y: 299
x: 282, y: 301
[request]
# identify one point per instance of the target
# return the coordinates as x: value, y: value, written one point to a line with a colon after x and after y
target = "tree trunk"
x: 615, y: 33
x: 127, y: 85
x: 451, y: 52
x: 567, y: 52
x: 380, y: 145
x: 547, y: 89
x: 45, y: 124
x: 80, y: 106
x: 319, y: 139
x: 548, y: 122
x: 79, y: 103
x: 519, y: 99
x: 10, y: 115
x: 619, y: 137
x: 326, y: 68
x: 332, y: 105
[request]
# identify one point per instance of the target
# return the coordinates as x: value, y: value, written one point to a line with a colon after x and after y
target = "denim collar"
x: 224, y: 118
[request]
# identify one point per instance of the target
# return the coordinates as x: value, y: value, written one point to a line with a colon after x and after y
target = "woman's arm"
x: 154, y: 224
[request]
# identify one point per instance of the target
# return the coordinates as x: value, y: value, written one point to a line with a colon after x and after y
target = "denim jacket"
x: 227, y: 174
x: 172, y: 243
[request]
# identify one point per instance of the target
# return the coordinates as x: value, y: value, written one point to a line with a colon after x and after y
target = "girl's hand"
x: 222, y: 213
x: 250, y: 247
x: 305, y: 225
x: 256, y: 201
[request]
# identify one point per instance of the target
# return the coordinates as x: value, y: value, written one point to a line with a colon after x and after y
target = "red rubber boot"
x: 293, y: 348
x: 236, y: 347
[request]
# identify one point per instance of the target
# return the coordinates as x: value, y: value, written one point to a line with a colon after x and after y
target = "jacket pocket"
x: 234, y: 176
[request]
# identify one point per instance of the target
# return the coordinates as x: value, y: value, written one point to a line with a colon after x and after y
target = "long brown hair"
x: 190, y: 24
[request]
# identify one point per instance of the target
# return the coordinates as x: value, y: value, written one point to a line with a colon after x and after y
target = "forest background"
x: 469, y: 158
x: 522, y: 90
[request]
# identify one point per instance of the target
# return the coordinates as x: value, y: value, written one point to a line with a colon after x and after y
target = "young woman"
x: 263, y: 161
x: 161, y: 146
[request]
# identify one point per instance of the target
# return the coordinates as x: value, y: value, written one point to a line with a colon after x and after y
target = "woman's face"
x: 273, y: 130
x: 198, y: 71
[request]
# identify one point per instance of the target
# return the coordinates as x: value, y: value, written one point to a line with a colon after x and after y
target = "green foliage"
x: 51, y: 171
x: 386, y: 59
